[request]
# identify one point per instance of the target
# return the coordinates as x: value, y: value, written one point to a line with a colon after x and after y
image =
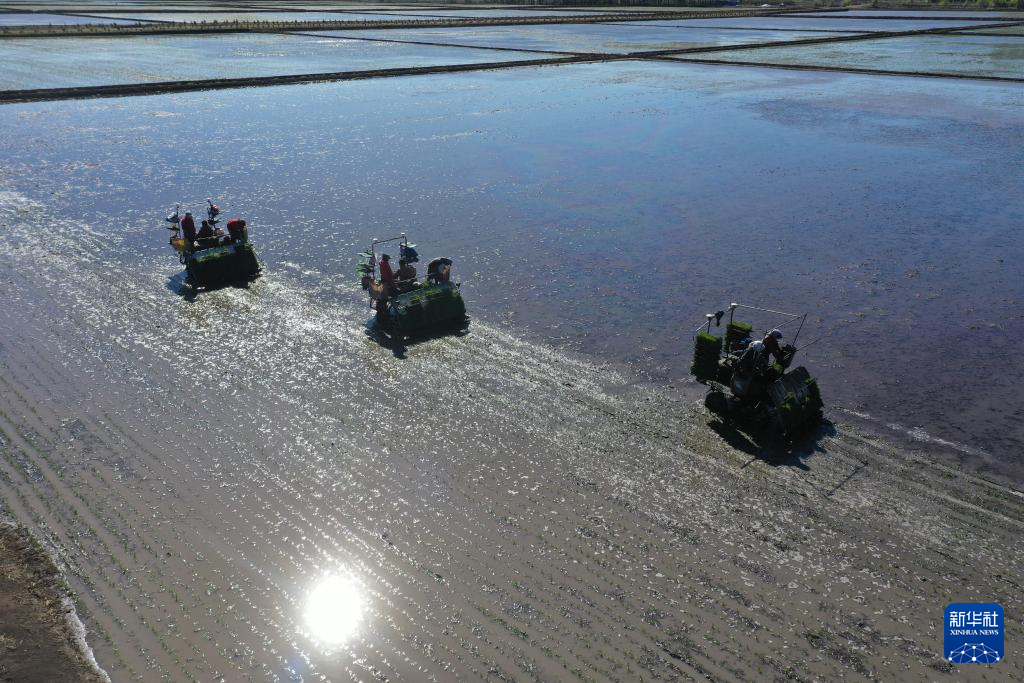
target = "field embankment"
x: 40, y: 635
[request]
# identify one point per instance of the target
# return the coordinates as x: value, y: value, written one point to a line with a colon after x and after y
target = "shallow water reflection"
x: 885, y: 207
x: 334, y: 610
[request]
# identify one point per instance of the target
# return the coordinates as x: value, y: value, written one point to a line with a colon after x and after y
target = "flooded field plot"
x: 830, y: 24
x: 1006, y: 30
x: 243, y: 16
x: 583, y: 38
x: 87, y: 8
x: 949, y: 14
x: 38, y: 19
x: 459, y: 9
x: 715, y: 154
x: 34, y: 63
x: 254, y: 483
x: 953, y: 54
x: 491, y: 13
x: 215, y: 470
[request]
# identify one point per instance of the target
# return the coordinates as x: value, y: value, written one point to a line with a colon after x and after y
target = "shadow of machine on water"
x: 771, y: 448
x: 398, y: 344
x: 179, y: 285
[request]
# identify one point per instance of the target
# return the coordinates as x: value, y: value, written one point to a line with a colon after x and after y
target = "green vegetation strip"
x: 136, y: 89
x: 85, y: 30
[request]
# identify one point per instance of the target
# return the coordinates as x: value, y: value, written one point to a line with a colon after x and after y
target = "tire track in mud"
x: 44, y: 517
x: 507, y: 515
x: 87, y: 512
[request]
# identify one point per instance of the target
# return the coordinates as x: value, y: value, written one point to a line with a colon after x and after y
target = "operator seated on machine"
x: 762, y: 352
x: 772, y: 347
x: 754, y: 364
x: 237, y: 231
x: 439, y: 270
x: 406, y: 276
x: 208, y: 236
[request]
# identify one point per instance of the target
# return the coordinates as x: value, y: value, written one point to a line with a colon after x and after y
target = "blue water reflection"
x: 603, y: 208
x: 33, y: 63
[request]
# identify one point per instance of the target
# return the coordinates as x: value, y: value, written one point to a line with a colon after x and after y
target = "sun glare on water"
x: 334, y: 610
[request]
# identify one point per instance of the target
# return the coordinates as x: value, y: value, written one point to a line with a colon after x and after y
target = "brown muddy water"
x: 246, y: 485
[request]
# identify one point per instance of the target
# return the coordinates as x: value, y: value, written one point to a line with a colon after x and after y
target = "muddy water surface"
x: 246, y: 485
x: 606, y: 208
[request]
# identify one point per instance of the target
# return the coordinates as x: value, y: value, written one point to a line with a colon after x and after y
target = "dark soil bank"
x: 36, y: 643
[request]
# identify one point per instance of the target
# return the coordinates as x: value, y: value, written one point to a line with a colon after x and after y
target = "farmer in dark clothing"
x: 771, y: 345
x: 207, y: 237
x: 439, y: 269
x: 406, y: 275
x: 188, y: 227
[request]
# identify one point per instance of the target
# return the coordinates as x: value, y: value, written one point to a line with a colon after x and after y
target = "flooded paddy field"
x: 102, y: 61
x: 943, y: 14
x: 588, y: 38
x: 85, y: 8
x: 1017, y: 30
x: 250, y: 484
x: 184, y: 17
x: 836, y: 23
x: 39, y: 19
x: 667, y: 218
x: 211, y: 470
x: 504, y: 12
x: 970, y: 55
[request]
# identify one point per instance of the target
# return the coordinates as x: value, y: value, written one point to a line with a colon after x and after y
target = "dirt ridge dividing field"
x: 41, y: 636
